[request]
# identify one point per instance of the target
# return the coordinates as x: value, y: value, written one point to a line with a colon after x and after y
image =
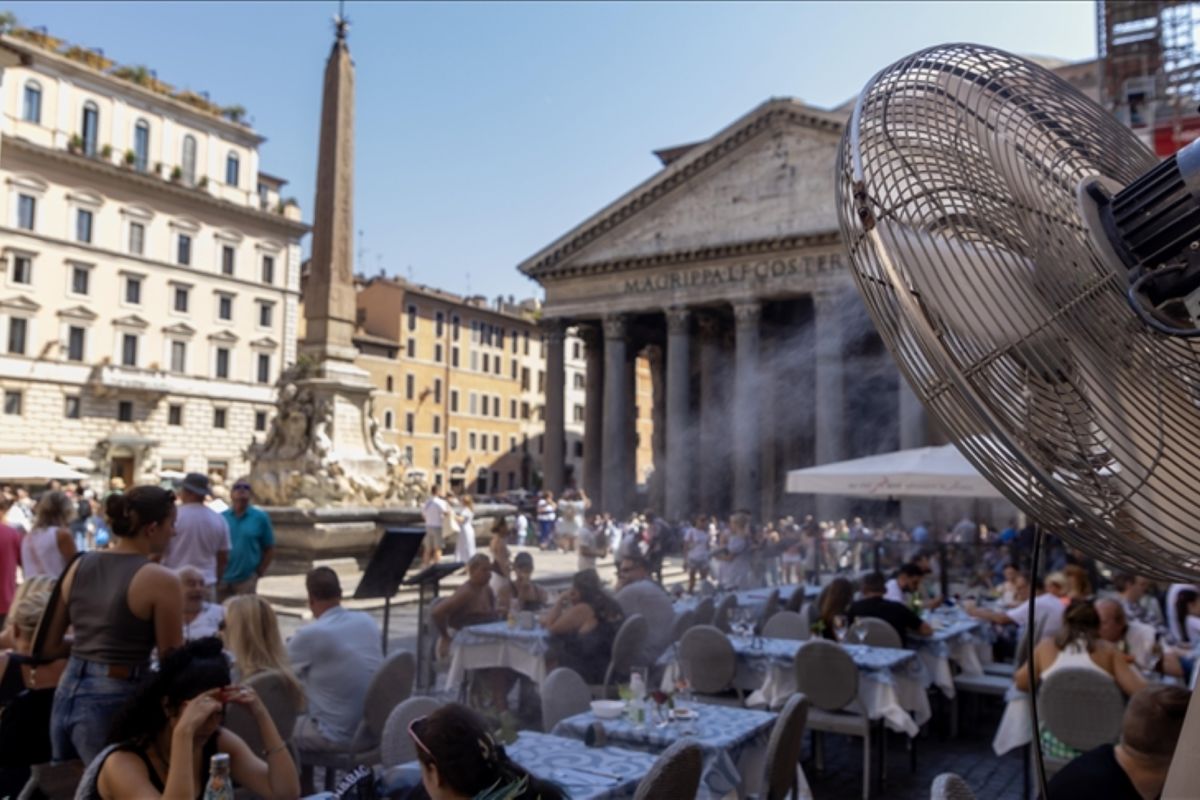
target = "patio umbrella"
x: 23, y: 469
x: 920, y: 472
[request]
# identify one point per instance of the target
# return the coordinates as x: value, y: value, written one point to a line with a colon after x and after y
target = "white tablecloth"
x: 1016, y: 725
x: 497, y: 645
x: 955, y: 639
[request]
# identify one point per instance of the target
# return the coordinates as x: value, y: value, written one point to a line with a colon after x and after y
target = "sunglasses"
x: 416, y: 737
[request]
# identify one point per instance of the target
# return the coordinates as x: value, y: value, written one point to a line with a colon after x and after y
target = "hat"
x: 117, y: 482
x: 196, y: 483
x: 242, y: 483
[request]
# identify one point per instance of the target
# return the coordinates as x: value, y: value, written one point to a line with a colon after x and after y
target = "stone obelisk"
x: 324, y: 445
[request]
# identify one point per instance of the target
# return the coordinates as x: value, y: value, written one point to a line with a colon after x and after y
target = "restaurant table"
x: 585, y: 773
x: 495, y: 644
x: 733, y: 740
x: 956, y: 638
x: 752, y: 599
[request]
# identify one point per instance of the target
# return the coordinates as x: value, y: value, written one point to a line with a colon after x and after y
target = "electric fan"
x: 1035, y: 271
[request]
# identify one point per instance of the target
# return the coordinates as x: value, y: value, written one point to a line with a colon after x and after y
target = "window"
x: 514, y: 343
x: 525, y: 337
x: 578, y: 412
x: 125, y: 411
x: 222, y: 362
x: 411, y: 348
x: 455, y: 324
x: 579, y: 449
x: 12, y: 402
x: 453, y: 440
x: 266, y: 314
x: 231, y: 169
x: 90, y: 127
x: 83, y: 225
x: 18, y: 328
x: 80, y: 278
x: 183, y: 250
x: 137, y: 238
x: 71, y: 407
x: 141, y: 145
x: 225, y: 306
x: 437, y: 425
x: 75, y: 340
x: 437, y: 457
x: 408, y: 453
x: 227, y: 259
x: 31, y: 110
x: 264, y: 368
x: 524, y: 379
x: 437, y: 353
x: 486, y: 362
x: 218, y: 466
x: 542, y: 384
x: 22, y: 269
x: 524, y: 410
x: 472, y: 403
x: 437, y: 391
x: 260, y: 421
x: 181, y: 299
x: 133, y: 290
x: 410, y: 387
x: 580, y: 381
x: 409, y: 422
x: 512, y: 408
x: 129, y: 350
x: 390, y: 383
x: 454, y: 357
x: 496, y: 365
x: 412, y: 318
x: 268, y: 269
x: 219, y: 418
x: 175, y: 414
x: 175, y: 464
x: 389, y: 420
x: 189, y: 159
x: 471, y: 440
x: 178, y: 356
x: 575, y: 351
x: 514, y: 369
x: 439, y: 324
x: 454, y: 401
x: 26, y: 211
x: 474, y: 361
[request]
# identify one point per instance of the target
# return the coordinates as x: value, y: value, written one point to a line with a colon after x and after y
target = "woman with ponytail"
x: 461, y: 761
x: 121, y: 606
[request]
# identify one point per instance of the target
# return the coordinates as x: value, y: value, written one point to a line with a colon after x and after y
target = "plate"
x: 683, y: 714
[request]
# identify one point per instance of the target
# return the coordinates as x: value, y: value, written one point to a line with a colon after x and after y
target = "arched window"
x: 32, y: 109
x: 231, y: 169
x: 141, y: 145
x: 89, y: 130
x: 189, y: 159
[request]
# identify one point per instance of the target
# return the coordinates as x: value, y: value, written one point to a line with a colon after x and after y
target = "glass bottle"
x: 220, y: 784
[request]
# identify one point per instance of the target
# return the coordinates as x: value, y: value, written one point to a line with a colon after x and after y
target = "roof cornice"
x: 154, y: 183
x: 678, y: 173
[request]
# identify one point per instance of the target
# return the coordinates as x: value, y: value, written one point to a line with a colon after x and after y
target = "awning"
x: 920, y: 472
x: 130, y: 440
x: 81, y: 463
x: 29, y: 469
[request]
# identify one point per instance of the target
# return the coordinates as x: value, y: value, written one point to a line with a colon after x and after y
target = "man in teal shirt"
x: 252, y: 544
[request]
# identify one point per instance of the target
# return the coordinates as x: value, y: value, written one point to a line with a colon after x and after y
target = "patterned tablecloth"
x: 734, y: 741
x: 956, y: 638
x: 497, y: 645
x: 586, y: 773
x: 753, y: 599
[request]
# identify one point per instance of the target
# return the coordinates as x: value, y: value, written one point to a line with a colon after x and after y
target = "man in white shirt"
x: 547, y: 513
x: 335, y: 657
x: 637, y: 594
x: 522, y: 524
x: 1047, y: 613
x: 908, y: 580
x: 434, y: 513
x: 200, y: 617
x: 201, y: 537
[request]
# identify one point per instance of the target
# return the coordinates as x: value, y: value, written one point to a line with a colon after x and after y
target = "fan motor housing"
x: 1156, y: 219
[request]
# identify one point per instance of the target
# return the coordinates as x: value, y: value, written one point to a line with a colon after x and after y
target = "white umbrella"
x: 920, y: 472
x: 29, y: 468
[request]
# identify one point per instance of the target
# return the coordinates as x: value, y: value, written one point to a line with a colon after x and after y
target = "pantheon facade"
x: 725, y: 269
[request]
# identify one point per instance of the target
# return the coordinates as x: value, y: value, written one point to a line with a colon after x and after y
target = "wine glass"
x: 859, y: 632
x: 839, y: 627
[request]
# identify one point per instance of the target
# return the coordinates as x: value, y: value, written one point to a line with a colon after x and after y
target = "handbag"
x: 450, y: 523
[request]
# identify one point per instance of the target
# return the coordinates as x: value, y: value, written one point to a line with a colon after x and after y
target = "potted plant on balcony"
x: 234, y: 113
x: 106, y: 152
x: 176, y: 174
x: 203, y: 183
x: 158, y: 168
x: 130, y: 158
x: 75, y: 143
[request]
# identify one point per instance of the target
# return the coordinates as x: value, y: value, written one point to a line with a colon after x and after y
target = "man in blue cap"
x: 253, y: 541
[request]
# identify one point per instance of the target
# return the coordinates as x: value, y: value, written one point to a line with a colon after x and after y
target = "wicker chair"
x: 390, y: 686
x: 875, y: 632
x: 280, y: 704
x: 828, y: 677
x: 783, y: 749
x: 769, y: 609
x: 629, y: 646
x: 1082, y: 708
x: 675, y: 774
x: 683, y: 622
x: 949, y: 786
x: 396, y: 746
x: 564, y: 694
x: 724, y: 611
x: 705, y: 610
x: 786, y: 625
x: 708, y: 659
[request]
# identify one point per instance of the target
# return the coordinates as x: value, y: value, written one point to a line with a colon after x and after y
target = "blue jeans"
x: 545, y: 531
x: 84, y: 706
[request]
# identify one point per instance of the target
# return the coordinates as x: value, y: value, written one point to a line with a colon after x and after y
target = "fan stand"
x: 1183, y: 779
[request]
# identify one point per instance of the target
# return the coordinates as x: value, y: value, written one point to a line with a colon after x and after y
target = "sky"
x: 487, y: 130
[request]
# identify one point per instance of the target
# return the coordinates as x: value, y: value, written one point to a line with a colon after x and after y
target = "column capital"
x: 747, y: 313
x: 678, y: 319
x: 653, y: 353
x: 709, y: 323
x: 590, y: 332
x: 616, y: 326
x: 555, y: 330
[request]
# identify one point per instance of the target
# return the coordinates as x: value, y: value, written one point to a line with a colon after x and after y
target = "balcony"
x: 110, y: 379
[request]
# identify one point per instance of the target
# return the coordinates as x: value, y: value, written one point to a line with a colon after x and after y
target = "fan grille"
x: 957, y: 200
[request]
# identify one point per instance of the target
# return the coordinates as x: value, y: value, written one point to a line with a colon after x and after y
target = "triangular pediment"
x: 180, y: 329
x: 265, y: 343
x: 223, y: 337
x: 81, y: 313
x: 19, y: 303
x: 131, y: 321
x: 767, y: 176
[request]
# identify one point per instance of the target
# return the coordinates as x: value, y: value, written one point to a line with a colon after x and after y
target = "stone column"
x: 658, y: 417
x: 830, y: 403
x: 617, y: 408
x: 711, y: 456
x: 554, y: 435
x: 593, y: 412
x: 679, y: 453
x: 913, y: 431
x: 747, y: 406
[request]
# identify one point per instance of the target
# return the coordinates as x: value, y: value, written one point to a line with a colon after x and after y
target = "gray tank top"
x: 106, y: 630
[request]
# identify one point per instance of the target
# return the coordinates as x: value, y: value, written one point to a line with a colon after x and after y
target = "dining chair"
x: 629, y: 645
x: 723, y: 613
x: 770, y: 607
x: 783, y: 749
x: 396, y: 746
x: 875, y: 632
x: 828, y: 677
x: 564, y: 694
x: 705, y: 610
x: 949, y: 786
x: 786, y: 625
x: 277, y: 697
x: 1082, y: 708
x: 682, y: 623
x: 675, y: 774
x: 708, y: 658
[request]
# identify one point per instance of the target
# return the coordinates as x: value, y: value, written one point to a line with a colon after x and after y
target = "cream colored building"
x: 149, y: 284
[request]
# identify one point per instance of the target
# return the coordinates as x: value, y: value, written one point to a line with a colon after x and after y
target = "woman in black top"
x: 582, y: 625
x: 165, y: 738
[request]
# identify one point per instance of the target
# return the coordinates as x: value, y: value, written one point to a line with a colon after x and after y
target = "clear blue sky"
x: 486, y: 130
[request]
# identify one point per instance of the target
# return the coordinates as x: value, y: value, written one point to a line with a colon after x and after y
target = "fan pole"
x: 1183, y: 779
x: 1030, y: 632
